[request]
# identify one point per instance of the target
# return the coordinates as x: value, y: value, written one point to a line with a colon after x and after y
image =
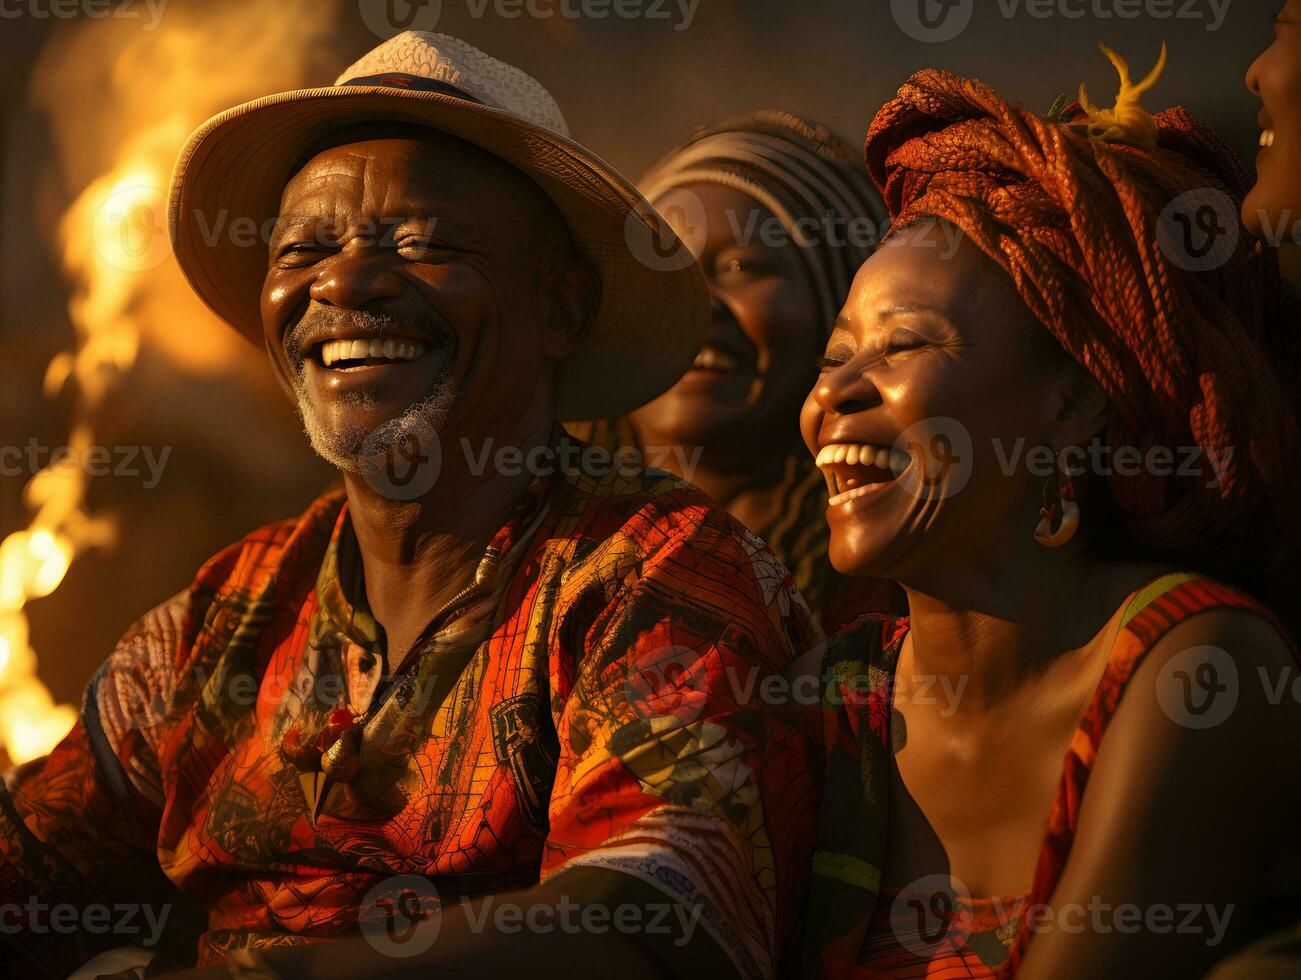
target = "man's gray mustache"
x: 435, y: 327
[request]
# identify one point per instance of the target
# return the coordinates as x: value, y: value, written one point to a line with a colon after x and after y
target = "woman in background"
x: 1067, y: 761
x: 780, y: 214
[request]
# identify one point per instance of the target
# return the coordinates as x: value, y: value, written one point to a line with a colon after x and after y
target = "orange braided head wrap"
x: 1187, y: 359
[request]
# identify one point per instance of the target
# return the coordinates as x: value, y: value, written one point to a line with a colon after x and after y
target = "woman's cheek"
x: 777, y: 316
x: 915, y: 390
x: 795, y: 318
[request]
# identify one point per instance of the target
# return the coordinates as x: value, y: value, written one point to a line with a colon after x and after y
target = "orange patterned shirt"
x: 597, y: 705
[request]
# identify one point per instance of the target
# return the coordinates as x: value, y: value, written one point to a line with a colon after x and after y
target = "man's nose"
x: 846, y: 390
x: 354, y: 278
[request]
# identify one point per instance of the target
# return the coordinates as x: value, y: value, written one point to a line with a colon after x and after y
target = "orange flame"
x: 152, y: 88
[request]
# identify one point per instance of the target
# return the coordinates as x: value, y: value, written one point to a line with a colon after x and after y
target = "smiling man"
x: 489, y: 703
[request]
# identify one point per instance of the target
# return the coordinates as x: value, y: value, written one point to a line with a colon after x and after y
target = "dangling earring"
x: 1066, y: 504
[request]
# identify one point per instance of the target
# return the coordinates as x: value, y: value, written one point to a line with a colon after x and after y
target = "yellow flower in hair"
x: 1127, y: 122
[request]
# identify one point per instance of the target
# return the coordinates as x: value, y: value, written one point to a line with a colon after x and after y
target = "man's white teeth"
x: 333, y: 351
x: 1267, y: 138
x: 712, y: 359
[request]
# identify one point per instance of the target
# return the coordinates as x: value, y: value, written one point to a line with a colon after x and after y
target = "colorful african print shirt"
x: 598, y: 706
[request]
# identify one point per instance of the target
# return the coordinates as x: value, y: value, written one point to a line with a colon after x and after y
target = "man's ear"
x: 575, y: 291
x: 1079, y: 409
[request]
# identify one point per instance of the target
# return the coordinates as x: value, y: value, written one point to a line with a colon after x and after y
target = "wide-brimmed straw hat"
x: 654, y: 304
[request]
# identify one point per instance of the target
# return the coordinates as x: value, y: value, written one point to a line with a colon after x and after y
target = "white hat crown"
x: 412, y: 56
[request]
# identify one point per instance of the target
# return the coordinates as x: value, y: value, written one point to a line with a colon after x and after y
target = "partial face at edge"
x: 1275, y: 78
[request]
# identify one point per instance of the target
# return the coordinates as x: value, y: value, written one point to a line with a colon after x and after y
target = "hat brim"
x: 654, y: 305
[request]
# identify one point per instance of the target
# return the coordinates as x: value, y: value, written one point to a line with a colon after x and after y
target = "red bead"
x: 339, y: 721
x: 300, y: 756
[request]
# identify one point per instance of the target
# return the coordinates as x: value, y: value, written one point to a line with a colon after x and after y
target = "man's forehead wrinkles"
x: 432, y: 168
x: 337, y: 172
x: 344, y: 220
x: 438, y: 165
x: 377, y: 188
x: 317, y: 192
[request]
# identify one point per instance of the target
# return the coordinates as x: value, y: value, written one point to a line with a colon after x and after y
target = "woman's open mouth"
x: 716, y: 361
x: 856, y: 469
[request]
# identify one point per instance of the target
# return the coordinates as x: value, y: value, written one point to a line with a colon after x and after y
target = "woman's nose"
x: 845, y: 390
x: 1253, y: 77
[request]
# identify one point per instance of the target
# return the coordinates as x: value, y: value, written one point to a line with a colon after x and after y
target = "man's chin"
x: 376, y: 445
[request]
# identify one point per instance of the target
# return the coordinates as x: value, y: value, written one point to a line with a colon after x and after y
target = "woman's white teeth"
x: 840, y: 483
x: 333, y: 351
x: 712, y: 359
x: 1267, y: 138
x: 860, y: 454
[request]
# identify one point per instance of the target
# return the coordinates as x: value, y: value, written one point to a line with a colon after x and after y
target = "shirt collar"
x: 341, y: 590
x: 340, y: 585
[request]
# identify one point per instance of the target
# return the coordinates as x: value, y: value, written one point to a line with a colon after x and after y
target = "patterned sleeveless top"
x: 855, y: 928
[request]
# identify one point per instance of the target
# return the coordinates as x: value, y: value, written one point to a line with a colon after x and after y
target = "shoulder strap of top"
x: 1170, y: 600
x: 1153, y: 612
x: 1145, y: 596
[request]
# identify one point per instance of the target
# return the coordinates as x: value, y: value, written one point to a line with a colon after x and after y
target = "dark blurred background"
x: 98, y: 96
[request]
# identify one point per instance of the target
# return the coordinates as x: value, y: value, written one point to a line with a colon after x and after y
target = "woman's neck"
x: 739, y: 478
x: 749, y: 497
x: 994, y: 628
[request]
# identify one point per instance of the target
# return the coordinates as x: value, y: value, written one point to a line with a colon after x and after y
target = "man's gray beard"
x: 358, y: 450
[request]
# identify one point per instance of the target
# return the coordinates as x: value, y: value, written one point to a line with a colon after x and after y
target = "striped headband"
x: 801, y: 172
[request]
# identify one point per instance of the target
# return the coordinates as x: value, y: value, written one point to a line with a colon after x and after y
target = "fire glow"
x: 152, y: 88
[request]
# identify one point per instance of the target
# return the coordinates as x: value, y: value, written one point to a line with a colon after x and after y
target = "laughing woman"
x: 780, y: 214
x: 1071, y: 759
x: 1273, y: 207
